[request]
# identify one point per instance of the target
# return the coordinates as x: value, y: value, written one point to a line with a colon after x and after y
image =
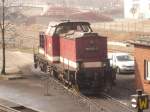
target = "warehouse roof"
x: 143, y: 40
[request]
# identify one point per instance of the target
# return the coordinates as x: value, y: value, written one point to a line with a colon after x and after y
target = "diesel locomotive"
x: 72, y: 53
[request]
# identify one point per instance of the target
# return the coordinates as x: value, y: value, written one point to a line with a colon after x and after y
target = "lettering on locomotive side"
x: 92, y: 46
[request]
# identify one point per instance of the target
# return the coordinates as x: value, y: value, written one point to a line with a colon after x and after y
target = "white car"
x: 123, y: 62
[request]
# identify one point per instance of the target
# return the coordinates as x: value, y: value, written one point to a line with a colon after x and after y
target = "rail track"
x: 7, y: 109
x: 13, y: 107
x: 100, y: 103
x: 112, y: 104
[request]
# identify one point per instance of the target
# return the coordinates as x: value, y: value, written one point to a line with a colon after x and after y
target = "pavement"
x: 16, y: 61
x: 31, y: 91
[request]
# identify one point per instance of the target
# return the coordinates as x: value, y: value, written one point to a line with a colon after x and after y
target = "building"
x: 137, y: 9
x: 32, y: 3
x: 142, y: 63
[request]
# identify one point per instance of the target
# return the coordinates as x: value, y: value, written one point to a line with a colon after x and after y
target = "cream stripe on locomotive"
x: 85, y: 64
x: 92, y: 64
x: 71, y: 63
x: 68, y: 62
x: 41, y: 51
x: 51, y: 58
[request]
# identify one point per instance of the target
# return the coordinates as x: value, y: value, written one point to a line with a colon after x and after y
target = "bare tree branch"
x: 1, y: 26
x: 7, y: 4
x: 7, y: 25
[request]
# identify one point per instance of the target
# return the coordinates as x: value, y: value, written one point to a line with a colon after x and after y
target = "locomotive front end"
x: 91, y: 79
x: 93, y: 65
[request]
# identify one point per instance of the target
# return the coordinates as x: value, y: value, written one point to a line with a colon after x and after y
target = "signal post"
x: 140, y: 101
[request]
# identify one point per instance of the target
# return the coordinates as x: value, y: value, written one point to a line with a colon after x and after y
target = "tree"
x: 3, y: 27
x: 133, y: 10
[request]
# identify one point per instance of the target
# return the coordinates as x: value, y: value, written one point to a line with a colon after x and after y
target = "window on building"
x: 147, y: 70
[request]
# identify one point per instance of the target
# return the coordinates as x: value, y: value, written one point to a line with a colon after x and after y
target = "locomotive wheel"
x: 35, y: 65
x: 54, y: 74
x: 108, y: 86
x: 45, y: 67
x: 76, y: 87
x: 41, y: 67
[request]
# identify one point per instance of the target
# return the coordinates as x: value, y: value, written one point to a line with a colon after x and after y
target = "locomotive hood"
x: 76, y: 34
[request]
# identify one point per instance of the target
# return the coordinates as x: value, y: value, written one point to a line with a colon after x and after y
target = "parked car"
x: 123, y: 62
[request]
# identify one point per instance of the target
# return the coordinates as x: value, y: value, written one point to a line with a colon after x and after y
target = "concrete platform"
x: 11, y: 76
x: 11, y: 73
x: 30, y: 92
x: 13, y: 107
x: 8, y: 103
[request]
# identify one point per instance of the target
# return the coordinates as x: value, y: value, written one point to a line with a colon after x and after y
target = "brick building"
x: 142, y: 63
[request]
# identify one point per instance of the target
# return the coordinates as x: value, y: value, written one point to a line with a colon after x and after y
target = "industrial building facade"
x: 137, y: 9
x: 23, y: 2
x: 142, y: 63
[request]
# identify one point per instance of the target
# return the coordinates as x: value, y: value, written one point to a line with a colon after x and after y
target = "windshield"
x: 65, y: 28
x: 85, y: 28
x: 124, y: 58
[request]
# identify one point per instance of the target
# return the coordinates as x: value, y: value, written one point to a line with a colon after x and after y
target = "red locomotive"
x: 76, y: 56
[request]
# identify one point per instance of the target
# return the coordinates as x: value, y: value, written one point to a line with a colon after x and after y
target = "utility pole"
x: 3, y: 72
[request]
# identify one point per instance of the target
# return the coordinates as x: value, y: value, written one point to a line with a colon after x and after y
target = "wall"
x: 141, y: 53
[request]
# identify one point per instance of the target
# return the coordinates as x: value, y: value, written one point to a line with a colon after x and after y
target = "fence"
x: 21, y: 43
x: 124, y: 26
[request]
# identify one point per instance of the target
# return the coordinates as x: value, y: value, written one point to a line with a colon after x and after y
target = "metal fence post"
x: 104, y: 26
x: 135, y: 27
x: 89, y: 107
x: 122, y: 26
x: 47, y: 84
x: 128, y: 27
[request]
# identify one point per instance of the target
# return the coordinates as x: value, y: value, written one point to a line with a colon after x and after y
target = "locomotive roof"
x: 69, y: 29
x: 68, y: 22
